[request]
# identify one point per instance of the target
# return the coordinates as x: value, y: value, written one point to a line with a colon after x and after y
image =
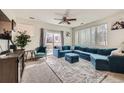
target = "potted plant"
x: 22, y: 39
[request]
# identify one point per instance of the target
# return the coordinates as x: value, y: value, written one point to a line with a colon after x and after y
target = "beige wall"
x: 114, y: 37
x: 33, y: 29
x: 5, y: 25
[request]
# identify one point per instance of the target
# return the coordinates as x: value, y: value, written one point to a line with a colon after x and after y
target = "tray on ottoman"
x: 72, y: 57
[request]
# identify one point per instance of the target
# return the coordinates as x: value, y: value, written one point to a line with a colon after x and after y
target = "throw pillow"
x: 117, y: 52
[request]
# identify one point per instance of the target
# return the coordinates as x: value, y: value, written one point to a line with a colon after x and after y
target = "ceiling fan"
x: 65, y: 18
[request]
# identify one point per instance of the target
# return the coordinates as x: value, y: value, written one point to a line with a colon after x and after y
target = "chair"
x: 40, y: 52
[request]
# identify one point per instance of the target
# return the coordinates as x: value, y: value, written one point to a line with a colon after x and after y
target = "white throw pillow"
x: 117, y: 52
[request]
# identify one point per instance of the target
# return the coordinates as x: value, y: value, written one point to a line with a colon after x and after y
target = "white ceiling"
x: 48, y: 15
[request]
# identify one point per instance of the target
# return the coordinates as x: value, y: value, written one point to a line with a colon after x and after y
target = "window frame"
x: 96, y: 33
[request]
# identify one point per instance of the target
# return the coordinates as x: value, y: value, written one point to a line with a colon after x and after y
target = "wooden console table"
x: 11, y: 67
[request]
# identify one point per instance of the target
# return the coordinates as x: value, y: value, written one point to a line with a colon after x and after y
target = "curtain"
x: 62, y: 37
x: 42, y: 37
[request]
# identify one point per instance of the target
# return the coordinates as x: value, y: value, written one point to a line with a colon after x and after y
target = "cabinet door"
x: 8, y: 70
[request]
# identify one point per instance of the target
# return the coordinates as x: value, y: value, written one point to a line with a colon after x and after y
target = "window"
x: 87, y: 36
x: 101, y: 35
x: 76, y: 37
x: 92, y: 36
x: 82, y: 38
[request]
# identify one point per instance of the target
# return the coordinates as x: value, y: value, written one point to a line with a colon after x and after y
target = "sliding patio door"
x: 52, y: 39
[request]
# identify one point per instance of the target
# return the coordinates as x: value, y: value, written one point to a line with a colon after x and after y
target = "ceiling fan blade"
x: 60, y: 22
x: 73, y: 19
x: 57, y: 19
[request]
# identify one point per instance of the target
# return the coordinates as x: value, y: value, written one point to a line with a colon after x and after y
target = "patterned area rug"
x: 79, y: 72
x: 38, y: 72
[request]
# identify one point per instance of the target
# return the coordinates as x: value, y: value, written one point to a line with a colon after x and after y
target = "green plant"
x: 22, y: 39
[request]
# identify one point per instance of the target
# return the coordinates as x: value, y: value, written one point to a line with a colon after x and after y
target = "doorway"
x: 52, y: 39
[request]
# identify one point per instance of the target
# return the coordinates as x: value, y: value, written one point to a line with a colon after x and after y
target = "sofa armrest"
x: 116, y: 63
x: 56, y: 52
x: 116, y: 58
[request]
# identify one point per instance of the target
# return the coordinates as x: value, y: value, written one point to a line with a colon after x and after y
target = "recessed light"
x: 31, y: 18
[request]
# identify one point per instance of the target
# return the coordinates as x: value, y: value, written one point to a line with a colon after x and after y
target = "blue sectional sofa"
x: 98, y: 57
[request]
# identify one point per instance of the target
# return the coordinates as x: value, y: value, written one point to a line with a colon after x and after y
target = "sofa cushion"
x: 87, y: 53
x: 85, y: 49
x: 92, y: 50
x: 81, y: 52
x: 105, y: 51
x: 66, y: 47
x: 110, y: 50
x: 41, y: 49
x: 77, y: 47
x: 66, y: 51
x: 97, y: 57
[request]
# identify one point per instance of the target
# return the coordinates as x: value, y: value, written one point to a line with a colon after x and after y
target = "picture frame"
x: 68, y: 34
x: 117, y: 25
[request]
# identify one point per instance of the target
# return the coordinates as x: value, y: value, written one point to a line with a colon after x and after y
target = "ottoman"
x: 71, y: 57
